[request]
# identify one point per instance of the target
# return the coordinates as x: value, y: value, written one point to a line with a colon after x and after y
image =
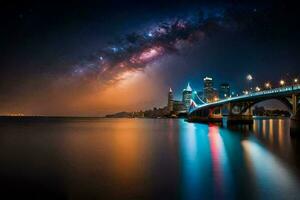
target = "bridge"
x: 238, y: 109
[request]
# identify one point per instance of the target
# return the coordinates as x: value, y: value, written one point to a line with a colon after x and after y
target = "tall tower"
x: 208, y: 90
x: 186, y: 96
x: 170, y: 100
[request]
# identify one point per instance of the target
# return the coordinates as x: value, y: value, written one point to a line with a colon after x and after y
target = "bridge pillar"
x: 211, y: 112
x: 250, y: 113
x: 295, y: 120
x: 294, y: 103
x: 229, y: 108
x: 235, y: 119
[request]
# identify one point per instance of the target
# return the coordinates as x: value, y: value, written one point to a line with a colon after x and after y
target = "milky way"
x: 135, y: 50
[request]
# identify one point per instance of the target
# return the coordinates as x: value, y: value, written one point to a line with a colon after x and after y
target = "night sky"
x: 93, y: 58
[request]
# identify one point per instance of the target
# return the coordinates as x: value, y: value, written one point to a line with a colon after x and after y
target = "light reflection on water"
x: 208, y: 172
x: 149, y: 159
x: 272, y: 179
x: 192, y: 158
x: 275, y: 134
x: 220, y: 164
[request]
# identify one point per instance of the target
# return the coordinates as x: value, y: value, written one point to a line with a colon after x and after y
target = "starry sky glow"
x: 93, y: 58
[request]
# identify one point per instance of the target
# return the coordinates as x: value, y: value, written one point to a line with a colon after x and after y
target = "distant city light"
x: 249, y: 77
x: 207, y: 78
x: 268, y: 85
x: 282, y: 82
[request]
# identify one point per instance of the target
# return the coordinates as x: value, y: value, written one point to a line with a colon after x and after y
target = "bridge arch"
x: 283, y: 100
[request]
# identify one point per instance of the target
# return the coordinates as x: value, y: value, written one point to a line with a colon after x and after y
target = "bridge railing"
x: 275, y: 90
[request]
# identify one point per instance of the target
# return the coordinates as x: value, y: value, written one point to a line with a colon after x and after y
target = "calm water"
x: 148, y: 159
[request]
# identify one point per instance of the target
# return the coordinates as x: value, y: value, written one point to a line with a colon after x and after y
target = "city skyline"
x: 78, y: 63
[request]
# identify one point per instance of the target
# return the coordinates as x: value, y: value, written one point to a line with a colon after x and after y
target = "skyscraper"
x: 208, y: 91
x: 224, y: 91
x: 170, y: 101
x: 186, y: 96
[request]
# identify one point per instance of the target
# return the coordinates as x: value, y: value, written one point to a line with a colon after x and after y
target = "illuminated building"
x: 209, y: 93
x: 186, y: 96
x: 178, y: 106
x: 224, y: 91
x: 170, y: 101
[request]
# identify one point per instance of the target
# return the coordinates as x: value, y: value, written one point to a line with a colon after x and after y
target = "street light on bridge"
x: 249, y: 78
x: 295, y: 80
x: 257, y: 89
x: 267, y: 85
x: 246, y: 92
x: 282, y: 82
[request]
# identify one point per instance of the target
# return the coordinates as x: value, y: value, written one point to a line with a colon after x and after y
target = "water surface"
x: 148, y: 159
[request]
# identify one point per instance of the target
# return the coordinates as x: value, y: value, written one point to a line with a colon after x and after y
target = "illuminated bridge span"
x: 238, y: 109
